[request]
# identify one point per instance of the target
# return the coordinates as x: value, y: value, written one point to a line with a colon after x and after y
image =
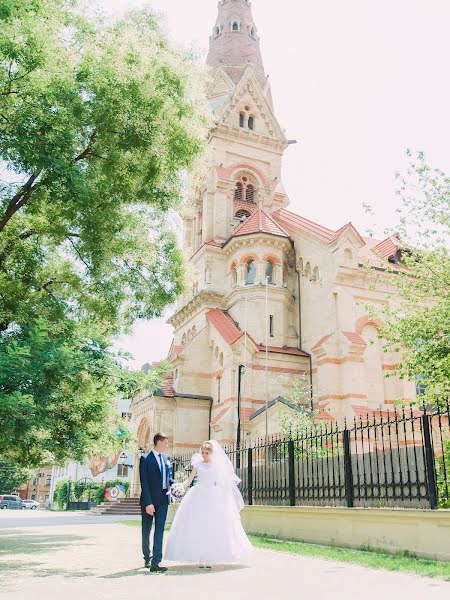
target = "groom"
x: 156, y: 477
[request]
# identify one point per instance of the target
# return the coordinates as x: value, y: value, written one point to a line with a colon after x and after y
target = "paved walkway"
x: 99, y: 560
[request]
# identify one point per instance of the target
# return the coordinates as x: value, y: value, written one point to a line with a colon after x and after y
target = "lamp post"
x: 241, y: 371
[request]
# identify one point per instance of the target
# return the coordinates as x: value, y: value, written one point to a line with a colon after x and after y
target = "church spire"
x: 234, y: 43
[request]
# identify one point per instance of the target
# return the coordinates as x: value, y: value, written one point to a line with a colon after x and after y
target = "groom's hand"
x: 150, y: 510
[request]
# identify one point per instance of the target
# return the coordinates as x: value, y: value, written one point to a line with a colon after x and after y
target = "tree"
x: 98, y: 122
x: 418, y: 324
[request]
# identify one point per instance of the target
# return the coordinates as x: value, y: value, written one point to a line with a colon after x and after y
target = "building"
x: 272, y: 289
x: 98, y: 469
x: 39, y: 487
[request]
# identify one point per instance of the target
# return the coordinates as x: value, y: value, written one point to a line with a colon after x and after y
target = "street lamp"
x: 241, y: 371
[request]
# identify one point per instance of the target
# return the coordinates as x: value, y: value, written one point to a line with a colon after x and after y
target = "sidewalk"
x: 101, y: 560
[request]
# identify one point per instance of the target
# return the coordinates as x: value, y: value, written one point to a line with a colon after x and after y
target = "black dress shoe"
x: 157, y: 569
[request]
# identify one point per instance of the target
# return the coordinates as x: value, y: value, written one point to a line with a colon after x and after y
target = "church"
x: 277, y: 298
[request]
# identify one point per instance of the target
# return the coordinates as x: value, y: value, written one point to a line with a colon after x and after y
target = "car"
x: 31, y: 504
x: 12, y: 502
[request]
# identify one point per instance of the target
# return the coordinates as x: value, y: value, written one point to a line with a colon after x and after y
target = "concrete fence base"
x: 423, y: 533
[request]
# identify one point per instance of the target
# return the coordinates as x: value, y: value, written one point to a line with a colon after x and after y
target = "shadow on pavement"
x: 14, y: 542
x: 37, y: 570
x: 175, y: 571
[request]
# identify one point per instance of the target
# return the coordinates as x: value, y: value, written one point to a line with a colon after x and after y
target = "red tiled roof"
x: 353, y: 337
x: 222, y: 172
x: 214, y: 243
x: 224, y: 325
x: 167, y: 388
x: 279, y: 187
x: 320, y: 232
x: 322, y: 341
x: 260, y: 222
x: 297, y: 222
x: 220, y: 415
x: 277, y: 350
x: 324, y: 416
x: 386, y: 248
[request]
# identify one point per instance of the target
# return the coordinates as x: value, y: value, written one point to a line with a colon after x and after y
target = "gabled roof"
x: 386, y: 248
x: 325, y: 235
x: 260, y: 222
x: 224, y: 325
x: 166, y: 388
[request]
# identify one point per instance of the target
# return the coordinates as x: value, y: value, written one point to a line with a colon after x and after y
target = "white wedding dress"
x: 207, y: 527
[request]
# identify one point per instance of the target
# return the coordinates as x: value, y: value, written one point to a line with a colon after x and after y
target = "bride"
x: 207, y: 527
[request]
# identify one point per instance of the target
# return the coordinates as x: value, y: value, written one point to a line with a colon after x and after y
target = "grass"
x: 376, y: 559
x: 366, y: 557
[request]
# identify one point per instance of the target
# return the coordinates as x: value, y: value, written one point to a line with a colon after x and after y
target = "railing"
x: 398, y: 458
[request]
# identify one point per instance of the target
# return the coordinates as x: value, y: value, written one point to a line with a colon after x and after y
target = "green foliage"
x: 417, y: 323
x: 60, y: 493
x: 443, y: 474
x: 12, y: 475
x: 98, y: 122
x: 302, y: 423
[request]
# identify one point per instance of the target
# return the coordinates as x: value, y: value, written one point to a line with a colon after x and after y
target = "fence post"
x: 250, y: 475
x: 291, y: 473
x: 69, y: 484
x: 429, y: 461
x: 348, y: 474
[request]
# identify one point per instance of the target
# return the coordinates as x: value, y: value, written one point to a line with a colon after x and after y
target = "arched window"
x: 252, y: 32
x: 242, y: 214
x: 250, y: 193
x: 251, y: 122
x: 234, y: 26
x: 221, y: 359
x: 269, y: 271
x: 241, y: 119
x: 348, y: 254
x: 307, y: 272
x: 238, y: 191
x: 216, y: 31
x: 245, y: 190
x: 315, y: 274
x: 251, y: 272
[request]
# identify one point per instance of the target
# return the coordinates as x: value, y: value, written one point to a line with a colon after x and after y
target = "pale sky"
x: 356, y: 82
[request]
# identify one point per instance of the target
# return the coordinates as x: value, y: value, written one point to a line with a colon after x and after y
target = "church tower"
x: 235, y: 245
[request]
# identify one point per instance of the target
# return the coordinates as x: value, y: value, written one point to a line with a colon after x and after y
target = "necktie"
x: 162, y: 471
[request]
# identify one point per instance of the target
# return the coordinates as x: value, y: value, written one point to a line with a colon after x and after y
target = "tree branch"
x: 20, y: 199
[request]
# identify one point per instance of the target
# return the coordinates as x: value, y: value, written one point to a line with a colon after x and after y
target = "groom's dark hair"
x: 159, y: 437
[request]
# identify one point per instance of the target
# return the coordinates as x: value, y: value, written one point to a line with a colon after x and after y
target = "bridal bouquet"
x: 177, y: 492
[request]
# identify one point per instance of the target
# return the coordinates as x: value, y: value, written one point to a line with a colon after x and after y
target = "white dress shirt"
x: 164, y: 471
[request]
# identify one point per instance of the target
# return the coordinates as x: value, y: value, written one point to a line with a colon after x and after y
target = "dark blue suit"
x: 152, y: 492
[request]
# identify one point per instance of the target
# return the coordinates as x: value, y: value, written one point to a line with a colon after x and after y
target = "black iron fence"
x: 398, y: 458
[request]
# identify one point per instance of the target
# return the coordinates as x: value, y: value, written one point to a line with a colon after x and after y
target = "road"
x: 57, y: 556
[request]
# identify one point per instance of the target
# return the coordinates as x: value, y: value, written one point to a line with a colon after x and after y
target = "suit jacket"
x: 152, y: 491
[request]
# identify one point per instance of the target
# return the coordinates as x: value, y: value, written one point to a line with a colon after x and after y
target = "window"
x: 221, y: 359
x: 218, y: 389
x: 242, y: 214
x: 252, y: 32
x: 250, y: 193
x: 245, y: 189
x: 420, y: 387
x: 233, y: 278
x: 234, y: 26
x: 269, y: 271
x: 216, y: 31
x: 241, y: 119
x: 48, y: 481
x: 122, y: 470
x: 251, y: 122
x: 271, y: 325
x: 238, y: 191
x: 251, y: 272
